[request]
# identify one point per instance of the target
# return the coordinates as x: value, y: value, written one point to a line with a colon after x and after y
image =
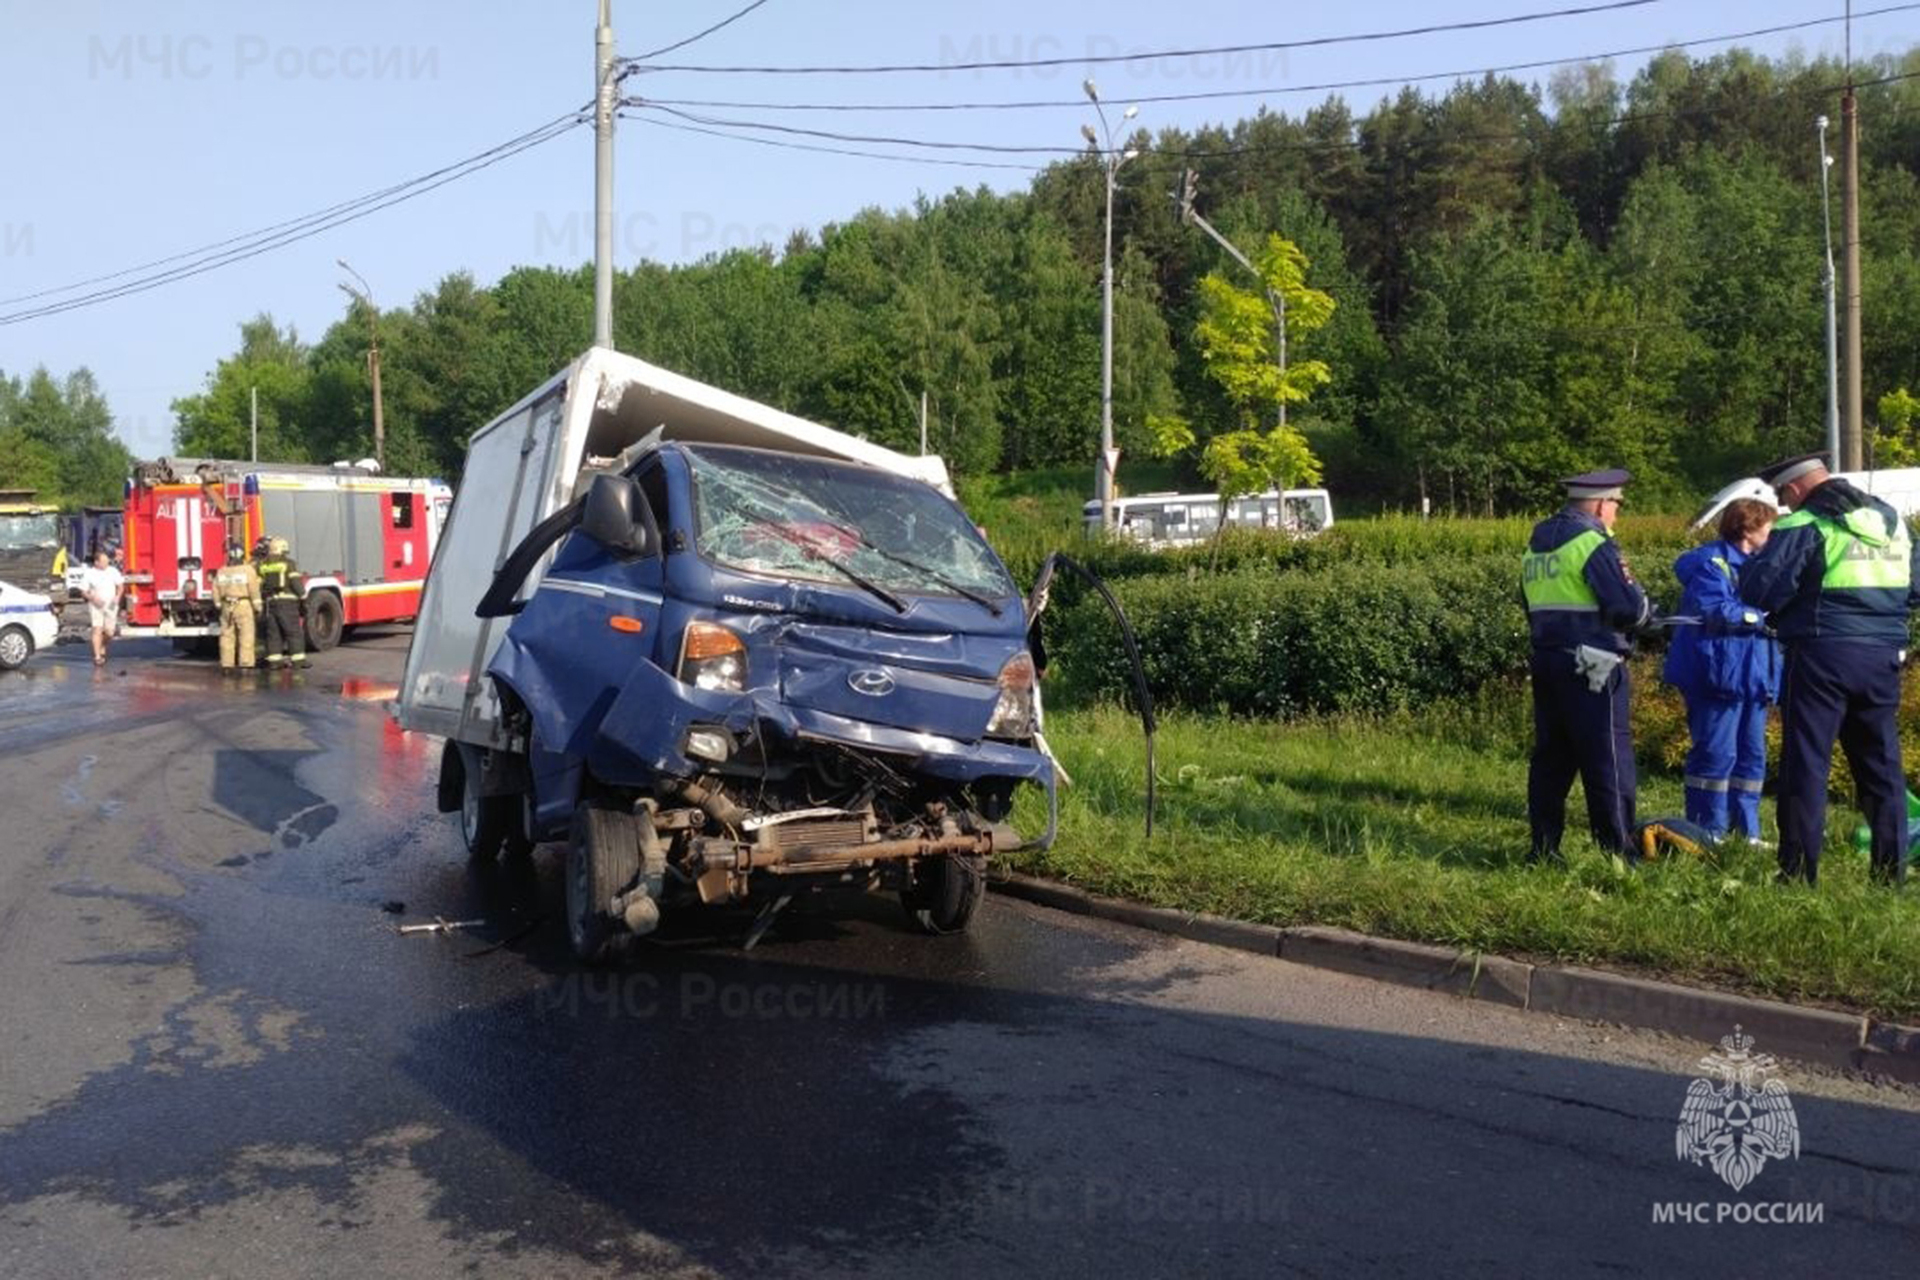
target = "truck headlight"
x: 1013, y: 713
x: 712, y: 657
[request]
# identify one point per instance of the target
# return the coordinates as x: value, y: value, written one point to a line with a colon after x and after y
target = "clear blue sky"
x: 138, y: 130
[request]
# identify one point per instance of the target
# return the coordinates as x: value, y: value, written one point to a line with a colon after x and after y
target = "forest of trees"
x: 57, y: 439
x: 1612, y: 274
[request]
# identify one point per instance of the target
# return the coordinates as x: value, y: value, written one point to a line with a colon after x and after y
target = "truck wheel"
x: 488, y: 824
x: 16, y: 646
x: 946, y: 891
x: 326, y: 620
x: 603, y: 858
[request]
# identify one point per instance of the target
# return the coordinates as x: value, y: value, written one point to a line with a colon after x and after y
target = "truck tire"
x: 603, y: 859
x: 946, y: 892
x: 16, y: 646
x: 489, y: 825
x: 326, y: 620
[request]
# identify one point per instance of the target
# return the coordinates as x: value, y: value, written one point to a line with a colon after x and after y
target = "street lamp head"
x: 1821, y: 124
x: 1130, y: 113
x: 1086, y: 131
x: 1093, y: 92
x: 1129, y: 154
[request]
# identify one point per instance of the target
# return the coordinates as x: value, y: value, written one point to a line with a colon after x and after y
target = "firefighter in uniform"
x: 237, y: 588
x: 1837, y: 578
x: 282, y: 585
x: 1581, y: 604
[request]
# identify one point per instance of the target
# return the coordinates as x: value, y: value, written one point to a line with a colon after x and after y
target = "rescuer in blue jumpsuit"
x: 1729, y: 672
x: 1581, y: 603
x: 1837, y: 578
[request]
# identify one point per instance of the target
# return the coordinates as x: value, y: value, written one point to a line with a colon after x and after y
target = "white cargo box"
x: 523, y: 466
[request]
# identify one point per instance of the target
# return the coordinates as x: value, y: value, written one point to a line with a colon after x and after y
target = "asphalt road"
x: 221, y: 1059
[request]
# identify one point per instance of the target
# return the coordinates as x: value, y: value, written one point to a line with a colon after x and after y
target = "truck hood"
x: 936, y: 683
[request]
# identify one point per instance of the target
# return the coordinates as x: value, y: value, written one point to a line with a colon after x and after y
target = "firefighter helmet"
x: 235, y: 553
x: 277, y: 546
x: 260, y: 546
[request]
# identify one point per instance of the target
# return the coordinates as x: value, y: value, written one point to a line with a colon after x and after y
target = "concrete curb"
x: 1823, y: 1036
x: 1495, y: 979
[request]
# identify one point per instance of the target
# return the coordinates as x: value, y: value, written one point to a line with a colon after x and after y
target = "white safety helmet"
x: 1751, y: 487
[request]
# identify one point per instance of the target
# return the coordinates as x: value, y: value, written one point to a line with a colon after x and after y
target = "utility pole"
x: 1111, y: 159
x: 1189, y: 187
x: 902, y: 382
x: 365, y: 294
x: 1833, y: 342
x: 1851, y: 436
x: 603, y: 105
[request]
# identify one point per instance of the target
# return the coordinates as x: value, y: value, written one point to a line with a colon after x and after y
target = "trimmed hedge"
x: 1356, y: 637
x: 1373, y: 615
x: 1650, y: 545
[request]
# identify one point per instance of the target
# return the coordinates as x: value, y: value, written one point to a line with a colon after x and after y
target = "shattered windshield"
x: 800, y: 517
x: 27, y: 533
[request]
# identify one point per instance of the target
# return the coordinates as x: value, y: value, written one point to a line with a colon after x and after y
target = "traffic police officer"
x: 1838, y: 579
x: 237, y: 588
x: 282, y: 585
x: 1581, y: 603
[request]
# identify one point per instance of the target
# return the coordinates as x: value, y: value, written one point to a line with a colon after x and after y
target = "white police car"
x: 28, y: 621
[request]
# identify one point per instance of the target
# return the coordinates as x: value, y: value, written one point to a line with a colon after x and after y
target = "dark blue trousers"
x: 1726, y: 763
x: 1578, y: 731
x: 1850, y: 691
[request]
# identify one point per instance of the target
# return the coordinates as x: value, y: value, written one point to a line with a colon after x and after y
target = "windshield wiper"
x: 813, y: 552
x: 775, y: 522
x: 917, y: 567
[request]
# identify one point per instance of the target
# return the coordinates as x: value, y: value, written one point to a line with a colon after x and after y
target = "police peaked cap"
x: 1787, y: 470
x: 1597, y: 485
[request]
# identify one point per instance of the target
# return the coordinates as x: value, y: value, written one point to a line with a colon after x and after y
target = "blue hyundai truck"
x: 723, y: 654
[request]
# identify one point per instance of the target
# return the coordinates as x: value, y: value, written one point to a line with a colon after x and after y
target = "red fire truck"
x: 362, y: 539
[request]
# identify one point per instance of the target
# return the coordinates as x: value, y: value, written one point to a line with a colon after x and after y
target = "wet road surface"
x: 221, y: 1059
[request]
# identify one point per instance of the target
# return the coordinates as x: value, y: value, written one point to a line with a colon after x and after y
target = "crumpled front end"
x: 845, y: 755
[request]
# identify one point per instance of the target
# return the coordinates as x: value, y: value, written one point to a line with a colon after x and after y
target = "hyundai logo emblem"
x: 875, y: 684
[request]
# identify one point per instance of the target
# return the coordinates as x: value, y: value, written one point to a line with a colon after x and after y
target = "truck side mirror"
x: 614, y: 516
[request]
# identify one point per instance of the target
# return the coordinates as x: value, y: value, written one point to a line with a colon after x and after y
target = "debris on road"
x: 441, y: 925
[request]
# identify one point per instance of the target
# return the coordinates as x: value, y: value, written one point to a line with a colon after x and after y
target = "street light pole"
x: 1111, y: 160
x: 1189, y: 183
x: 604, y: 101
x: 1833, y: 324
x: 365, y: 294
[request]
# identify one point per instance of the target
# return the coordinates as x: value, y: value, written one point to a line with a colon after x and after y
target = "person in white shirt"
x: 102, y: 585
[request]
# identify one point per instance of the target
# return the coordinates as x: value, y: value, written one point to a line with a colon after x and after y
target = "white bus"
x: 1162, y: 520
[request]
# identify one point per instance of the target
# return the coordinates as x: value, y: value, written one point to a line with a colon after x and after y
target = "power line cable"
x: 305, y: 228
x: 797, y: 131
x: 1476, y: 24
x: 833, y: 151
x: 1330, y: 86
x: 290, y: 224
x: 717, y: 125
x: 699, y: 35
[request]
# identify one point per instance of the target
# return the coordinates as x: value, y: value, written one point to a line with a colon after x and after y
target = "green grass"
x: 1415, y: 827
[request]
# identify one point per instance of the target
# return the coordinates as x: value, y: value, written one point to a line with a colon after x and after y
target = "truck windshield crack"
x: 792, y: 516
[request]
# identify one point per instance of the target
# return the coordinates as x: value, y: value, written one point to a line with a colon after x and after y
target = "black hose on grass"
x: 1142, y: 698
